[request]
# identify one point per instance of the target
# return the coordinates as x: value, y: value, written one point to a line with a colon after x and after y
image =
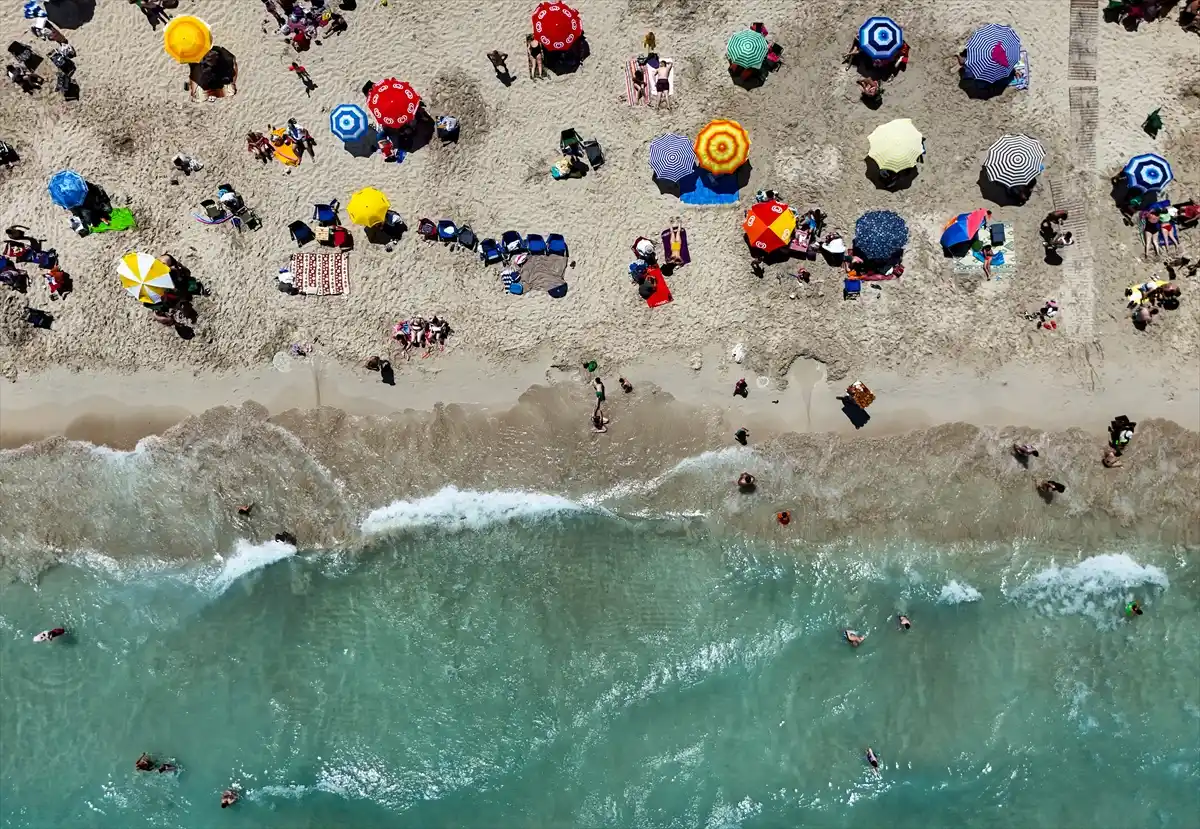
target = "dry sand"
x: 809, y: 138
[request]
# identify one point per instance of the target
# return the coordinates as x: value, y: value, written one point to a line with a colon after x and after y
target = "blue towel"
x: 709, y: 189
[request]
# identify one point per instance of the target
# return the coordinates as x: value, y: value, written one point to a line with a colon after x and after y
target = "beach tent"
x: 187, y: 39
x: 348, y: 122
x: 879, y: 234
x: 216, y: 70
x: 144, y: 278
x: 880, y: 38
x: 722, y: 147
x: 896, y: 146
x: 1014, y: 160
x: 556, y: 26
x: 1148, y: 172
x: 962, y: 229
x: 393, y: 103
x: 68, y: 189
x: 747, y: 49
x: 368, y: 207
x: 769, y: 226
x: 993, y: 53
x: 672, y: 157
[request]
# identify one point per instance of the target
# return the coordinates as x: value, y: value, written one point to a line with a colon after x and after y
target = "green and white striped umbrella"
x: 747, y: 49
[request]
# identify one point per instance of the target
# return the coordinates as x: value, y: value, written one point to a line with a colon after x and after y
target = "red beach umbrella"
x: 556, y: 26
x: 393, y: 103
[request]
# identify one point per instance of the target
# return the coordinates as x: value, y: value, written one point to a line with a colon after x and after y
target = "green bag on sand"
x: 121, y: 218
x: 1153, y: 124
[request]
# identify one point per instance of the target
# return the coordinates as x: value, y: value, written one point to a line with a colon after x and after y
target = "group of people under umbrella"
x: 397, y: 111
x: 751, y: 55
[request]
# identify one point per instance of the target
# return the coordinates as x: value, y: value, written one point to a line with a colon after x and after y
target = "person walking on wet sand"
x: 498, y: 59
x: 598, y: 385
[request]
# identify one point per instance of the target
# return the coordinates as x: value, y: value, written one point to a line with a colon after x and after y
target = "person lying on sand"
x: 1110, y: 459
x: 599, y: 421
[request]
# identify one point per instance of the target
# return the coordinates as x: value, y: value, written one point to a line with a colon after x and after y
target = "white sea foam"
x: 1096, y: 586
x: 705, y: 461
x: 454, y: 509
x: 955, y: 592
x: 246, y: 558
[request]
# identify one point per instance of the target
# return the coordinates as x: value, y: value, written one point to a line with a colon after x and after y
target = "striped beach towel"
x: 631, y: 71
x: 321, y: 274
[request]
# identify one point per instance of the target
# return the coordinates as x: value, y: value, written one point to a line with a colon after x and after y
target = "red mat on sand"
x: 662, y: 293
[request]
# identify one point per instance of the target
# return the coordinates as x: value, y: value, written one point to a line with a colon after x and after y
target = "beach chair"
x: 851, y: 288
x: 467, y: 238
x: 490, y: 251
x: 556, y: 244
x: 334, y: 236
x: 326, y: 214
x: 535, y: 244
x: 447, y: 231
x: 213, y: 210
x: 511, y: 243
x: 595, y: 155
x: 427, y: 230
x: 774, y: 57
x: 301, y: 233
x: 570, y: 143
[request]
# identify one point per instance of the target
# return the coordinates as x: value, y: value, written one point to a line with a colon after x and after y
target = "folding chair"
x: 511, y: 242
x: 447, y: 231
x: 467, y: 238
x: 595, y: 155
x: 326, y: 214
x: 302, y: 233
x: 535, y: 244
x: 427, y: 230
x: 556, y: 244
x: 213, y: 210
x: 851, y: 288
x: 490, y: 251
x: 570, y: 143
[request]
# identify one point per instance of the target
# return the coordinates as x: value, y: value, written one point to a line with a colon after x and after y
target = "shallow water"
x: 486, y: 662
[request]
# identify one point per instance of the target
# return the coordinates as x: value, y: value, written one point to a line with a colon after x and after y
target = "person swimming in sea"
x: 144, y: 763
x: 745, y: 483
x: 1133, y: 609
x: 873, y: 760
x: 904, y: 621
x: 784, y: 518
x: 853, y: 637
x: 286, y: 537
x: 228, y: 798
x: 50, y: 635
x: 741, y: 436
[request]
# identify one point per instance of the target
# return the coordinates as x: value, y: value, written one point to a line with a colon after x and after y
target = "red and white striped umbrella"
x: 393, y: 103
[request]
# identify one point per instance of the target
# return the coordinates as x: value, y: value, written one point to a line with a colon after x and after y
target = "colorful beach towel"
x: 321, y: 274
x: 121, y: 218
x: 632, y: 70
x: 681, y: 250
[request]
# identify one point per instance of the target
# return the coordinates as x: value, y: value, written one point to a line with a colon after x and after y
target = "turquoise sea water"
x: 569, y: 668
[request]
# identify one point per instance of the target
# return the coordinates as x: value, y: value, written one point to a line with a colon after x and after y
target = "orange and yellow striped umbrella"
x: 769, y: 226
x: 722, y: 147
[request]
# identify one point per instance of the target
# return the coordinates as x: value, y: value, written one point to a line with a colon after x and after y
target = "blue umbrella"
x: 348, y: 122
x: 880, y: 38
x: 992, y: 53
x: 68, y: 189
x: 672, y: 157
x: 1148, y: 172
x: 879, y: 234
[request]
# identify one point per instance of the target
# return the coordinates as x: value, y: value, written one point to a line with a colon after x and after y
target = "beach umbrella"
x: 722, y: 147
x: 144, y: 278
x: 348, y: 122
x: 393, y: 103
x: 187, y: 39
x: 368, y: 207
x: 672, y: 157
x: 963, y: 228
x: 880, y: 38
x: 992, y: 53
x: 68, y: 189
x: 769, y: 225
x: 896, y: 146
x: 747, y: 49
x: 879, y: 234
x: 556, y: 26
x: 1146, y: 172
x: 1015, y: 160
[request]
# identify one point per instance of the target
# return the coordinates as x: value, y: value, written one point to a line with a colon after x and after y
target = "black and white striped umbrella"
x: 1015, y: 160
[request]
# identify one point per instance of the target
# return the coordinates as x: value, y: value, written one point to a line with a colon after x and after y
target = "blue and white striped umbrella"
x: 672, y: 157
x: 1148, y: 172
x: 348, y: 122
x: 992, y: 53
x: 880, y: 38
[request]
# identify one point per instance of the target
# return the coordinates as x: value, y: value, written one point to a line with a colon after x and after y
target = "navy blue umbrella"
x: 68, y: 189
x: 880, y: 38
x: 879, y: 234
x: 672, y: 157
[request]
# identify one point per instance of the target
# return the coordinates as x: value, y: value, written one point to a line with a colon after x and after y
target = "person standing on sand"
x: 598, y: 384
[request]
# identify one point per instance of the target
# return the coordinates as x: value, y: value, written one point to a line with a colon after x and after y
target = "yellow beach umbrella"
x: 896, y: 145
x: 144, y: 277
x: 368, y: 207
x: 722, y: 147
x: 187, y: 39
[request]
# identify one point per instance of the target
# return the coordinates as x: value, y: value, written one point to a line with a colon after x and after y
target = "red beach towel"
x: 662, y: 292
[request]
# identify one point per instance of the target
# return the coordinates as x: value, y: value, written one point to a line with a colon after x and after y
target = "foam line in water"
x: 454, y: 509
x: 956, y: 592
x: 246, y: 558
x: 1096, y: 585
